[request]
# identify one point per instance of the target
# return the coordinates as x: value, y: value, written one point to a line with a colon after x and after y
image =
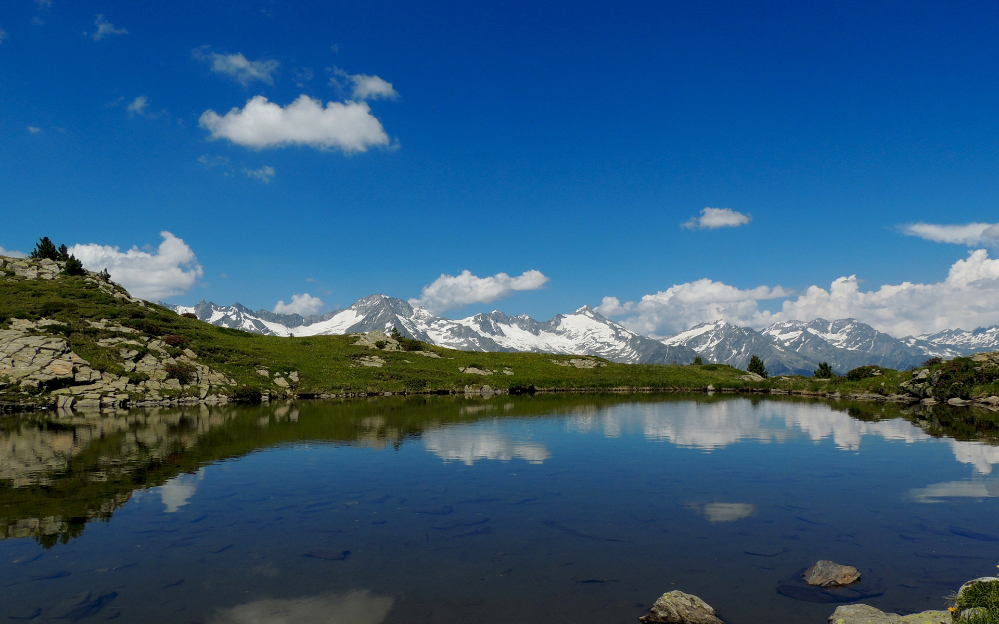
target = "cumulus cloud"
x: 34, y: 129
x: 304, y: 304
x: 105, y: 28
x: 348, y: 126
x: 361, y: 86
x: 684, y: 305
x: 967, y: 298
x: 170, y: 271
x: 372, y: 88
x: 714, y: 218
x: 264, y: 174
x: 10, y: 253
x: 238, y: 67
x: 449, y: 292
x: 970, y: 234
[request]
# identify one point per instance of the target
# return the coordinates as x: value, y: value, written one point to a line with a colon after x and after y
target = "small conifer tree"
x: 757, y: 366
x: 824, y: 371
x: 73, y: 266
x: 698, y: 361
x: 45, y: 249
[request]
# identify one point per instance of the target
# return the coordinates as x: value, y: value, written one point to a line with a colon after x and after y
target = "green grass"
x: 983, y: 601
x: 326, y: 364
x: 331, y: 364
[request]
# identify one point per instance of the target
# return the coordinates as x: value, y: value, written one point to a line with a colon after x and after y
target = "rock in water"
x: 861, y: 614
x: 866, y: 614
x: 831, y: 574
x: 676, y: 607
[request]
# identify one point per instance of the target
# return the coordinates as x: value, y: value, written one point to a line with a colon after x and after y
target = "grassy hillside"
x: 322, y: 364
x: 351, y: 365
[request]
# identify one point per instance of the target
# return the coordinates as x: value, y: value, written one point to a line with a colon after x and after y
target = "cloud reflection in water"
x: 712, y: 426
x: 353, y: 607
x: 469, y: 445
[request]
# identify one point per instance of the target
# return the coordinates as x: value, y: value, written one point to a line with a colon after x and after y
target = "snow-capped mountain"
x: 789, y: 347
x: 844, y: 344
x: 951, y: 343
x: 584, y: 332
x: 725, y: 343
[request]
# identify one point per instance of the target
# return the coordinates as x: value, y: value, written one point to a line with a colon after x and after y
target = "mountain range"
x: 788, y: 347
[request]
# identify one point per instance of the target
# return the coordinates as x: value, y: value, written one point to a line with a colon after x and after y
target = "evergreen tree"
x: 757, y: 366
x: 698, y: 361
x: 63, y: 253
x: 824, y: 371
x: 45, y: 249
x: 74, y: 267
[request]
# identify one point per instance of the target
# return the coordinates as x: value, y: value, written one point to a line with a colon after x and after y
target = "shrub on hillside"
x: 959, y: 376
x: 698, y: 361
x: 933, y: 360
x: 757, y: 366
x: 824, y: 371
x: 174, y: 340
x: 863, y: 372
x: 184, y: 373
x: 190, y: 315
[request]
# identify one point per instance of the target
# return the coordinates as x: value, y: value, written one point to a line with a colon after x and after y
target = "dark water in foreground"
x: 544, y: 509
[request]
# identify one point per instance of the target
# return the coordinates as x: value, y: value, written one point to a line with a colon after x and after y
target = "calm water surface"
x: 543, y: 509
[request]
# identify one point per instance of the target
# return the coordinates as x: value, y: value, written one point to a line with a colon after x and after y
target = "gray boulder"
x: 831, y: 574
x: 676, y: 607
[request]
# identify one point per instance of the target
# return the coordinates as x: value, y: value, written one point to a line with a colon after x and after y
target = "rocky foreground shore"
x: 975, y: 602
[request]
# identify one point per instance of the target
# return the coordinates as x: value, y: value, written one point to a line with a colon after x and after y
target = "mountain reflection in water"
x: 581, y: 508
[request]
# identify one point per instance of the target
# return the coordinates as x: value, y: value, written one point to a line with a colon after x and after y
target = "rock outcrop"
x: 676, y: 607
x: 33, y: 359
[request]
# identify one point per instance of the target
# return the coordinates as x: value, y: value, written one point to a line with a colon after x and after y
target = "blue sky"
x: 512, y: 137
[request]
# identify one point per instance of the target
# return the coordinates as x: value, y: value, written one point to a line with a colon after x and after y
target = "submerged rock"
x: 676, y: 607
x: 831, y: 574
x: 866, y: 614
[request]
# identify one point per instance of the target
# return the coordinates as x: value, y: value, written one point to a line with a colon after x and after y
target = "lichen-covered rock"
x: 866, y: 614
x: 676, y: 607
x: 831, y: 574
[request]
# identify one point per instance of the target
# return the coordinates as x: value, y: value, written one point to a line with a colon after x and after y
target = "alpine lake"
x: 533, y: 509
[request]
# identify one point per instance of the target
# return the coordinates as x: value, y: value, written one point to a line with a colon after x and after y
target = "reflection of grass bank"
x: 89, y: 466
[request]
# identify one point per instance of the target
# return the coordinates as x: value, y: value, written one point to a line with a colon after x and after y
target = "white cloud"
x: 34, y: 129
x: 238, y: 66
x: 684, y: 305
x: 105, y: 27
x: 449, y: 292
x: 10, y: 253
x: 348, y: 126
x: 3, y: 35
x: 970, y: 234
x: 264, y: 174
x: 361, y: 86
x: 44, y: 4
x: 714, y: 218
x: 372, y: 88
x: 968, y: 298
x: 170, y: 271
x: 138, y: 105
x: 304, y: 304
